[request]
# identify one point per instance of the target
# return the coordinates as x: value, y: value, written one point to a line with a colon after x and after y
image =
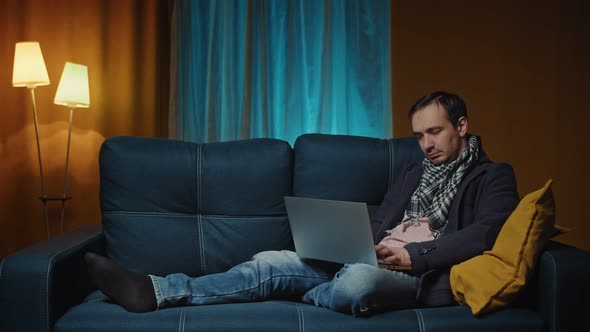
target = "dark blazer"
x: 484, y: 200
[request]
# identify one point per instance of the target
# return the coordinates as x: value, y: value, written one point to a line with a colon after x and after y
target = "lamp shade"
x: 29, y: 67
x: 72, y: 90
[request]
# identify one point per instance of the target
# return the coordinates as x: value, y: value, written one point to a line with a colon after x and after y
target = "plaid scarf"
x: 438, y: 186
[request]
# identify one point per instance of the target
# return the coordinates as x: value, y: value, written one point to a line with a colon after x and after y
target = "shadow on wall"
x: 21, y: 183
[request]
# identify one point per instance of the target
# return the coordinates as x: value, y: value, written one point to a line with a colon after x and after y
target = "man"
x: 442, y: 211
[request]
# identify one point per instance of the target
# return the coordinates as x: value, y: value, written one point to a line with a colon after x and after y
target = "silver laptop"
x: 334, y: 231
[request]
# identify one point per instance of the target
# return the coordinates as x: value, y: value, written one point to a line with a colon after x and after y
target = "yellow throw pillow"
x: 492, y: 280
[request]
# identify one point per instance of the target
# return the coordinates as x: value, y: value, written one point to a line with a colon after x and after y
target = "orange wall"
x: 124, y: 43
x: 522, y: 68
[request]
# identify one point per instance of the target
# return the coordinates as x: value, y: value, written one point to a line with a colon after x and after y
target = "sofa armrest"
x: 39, y: 283
x: 562, y: 287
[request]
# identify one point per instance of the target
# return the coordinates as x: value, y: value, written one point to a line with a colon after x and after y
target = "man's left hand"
x: 392, y: 255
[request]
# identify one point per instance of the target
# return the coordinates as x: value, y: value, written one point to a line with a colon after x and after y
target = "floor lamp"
x: 72, y: 92
x: 29, y: 71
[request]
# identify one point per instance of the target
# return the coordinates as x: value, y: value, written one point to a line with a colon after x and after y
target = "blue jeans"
x: 356, y: 289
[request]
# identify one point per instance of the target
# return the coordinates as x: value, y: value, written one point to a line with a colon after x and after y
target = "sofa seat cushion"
x: 99, y: 314
x: 273, y: 316
x: 102, y: 315
x: 460, y: 318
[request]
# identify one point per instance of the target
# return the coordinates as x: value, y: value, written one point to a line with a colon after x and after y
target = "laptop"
x: 334, y: 231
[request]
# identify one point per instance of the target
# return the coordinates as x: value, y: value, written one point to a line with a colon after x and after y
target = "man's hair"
x: 452, y: 103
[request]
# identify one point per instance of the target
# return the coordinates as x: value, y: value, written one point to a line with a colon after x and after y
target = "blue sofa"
x: 171, y: 206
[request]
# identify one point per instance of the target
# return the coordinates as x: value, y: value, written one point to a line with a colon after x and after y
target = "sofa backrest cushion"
x: 170, y: 206
x: 350, y: 168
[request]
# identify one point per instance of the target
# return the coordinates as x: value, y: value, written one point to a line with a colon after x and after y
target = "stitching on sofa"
x: 199, y: 208
x: 148, y: 214
x: 300, y: 317
x: 421, y: 324
x: 200, y: 179
x: 196, y: 184
x: 244, y: 217
x: 2, y: 265
x: 554, y: 263
x: 202, y: 245
x: 49, y: 265
x: 199, y: 240
x: 184, y: 215
x: 198, y: 159
x: 181, y: 320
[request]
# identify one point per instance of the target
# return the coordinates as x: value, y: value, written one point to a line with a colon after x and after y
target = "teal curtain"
x: 280, y: 68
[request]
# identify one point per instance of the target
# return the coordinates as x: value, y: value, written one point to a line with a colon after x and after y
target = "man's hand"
x: 397, y: 256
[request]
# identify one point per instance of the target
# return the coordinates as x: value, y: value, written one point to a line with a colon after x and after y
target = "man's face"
x: 440, y: 141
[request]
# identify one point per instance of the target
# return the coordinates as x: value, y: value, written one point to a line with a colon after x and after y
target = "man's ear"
x: 462, y: 126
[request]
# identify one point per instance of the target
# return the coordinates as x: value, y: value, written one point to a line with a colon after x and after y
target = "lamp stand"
x: 43, y: 195
x: 64, y: 197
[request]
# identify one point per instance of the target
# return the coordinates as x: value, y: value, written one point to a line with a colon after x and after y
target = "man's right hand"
x: 393, y: 255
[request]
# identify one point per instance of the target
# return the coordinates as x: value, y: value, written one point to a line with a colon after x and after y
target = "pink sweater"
x: 415, y: 230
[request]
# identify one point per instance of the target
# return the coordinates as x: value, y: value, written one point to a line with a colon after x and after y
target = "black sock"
x: 129, y: 289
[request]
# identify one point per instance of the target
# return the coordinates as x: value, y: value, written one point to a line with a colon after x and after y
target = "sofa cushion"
x: 246, y: 178
x: 459, y: 318
x: 171, y: 206
x: 190, y: 244
x: 350, y: 168
x: 97, y: 314
x: 101, y: 315
x: 492, y: 280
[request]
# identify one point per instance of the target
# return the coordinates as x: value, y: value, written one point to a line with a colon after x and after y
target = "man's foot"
x: 131, y: 290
